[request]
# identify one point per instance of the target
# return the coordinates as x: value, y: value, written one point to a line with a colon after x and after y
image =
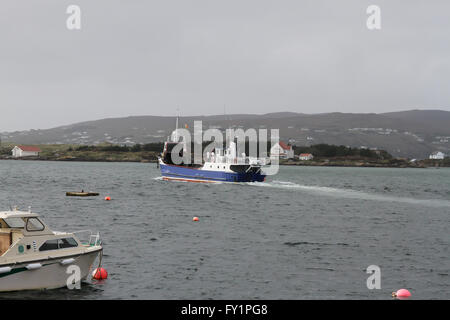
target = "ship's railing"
x: 222, y: 159
x: 88, y: 238
x: 238, y: 160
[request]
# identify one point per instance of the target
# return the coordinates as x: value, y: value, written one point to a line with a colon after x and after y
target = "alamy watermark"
x: 374, y: 19
x: 74, y: 279
x: 249, y: 146
x: 374, y: 280
x: 73, y: 22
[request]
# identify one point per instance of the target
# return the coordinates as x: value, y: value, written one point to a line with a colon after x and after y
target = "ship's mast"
x: 227, y: 122
x: 175, y: 133
x: 176, y: 128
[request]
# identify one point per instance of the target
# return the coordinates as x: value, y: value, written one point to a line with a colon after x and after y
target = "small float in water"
x: 32, y: 256
x: 82, y: 194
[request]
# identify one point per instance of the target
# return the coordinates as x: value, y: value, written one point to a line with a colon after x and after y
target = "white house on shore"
x: 25, y: 151
x: 437, y: 155
x: 305, y: 156
x: 282, y: 150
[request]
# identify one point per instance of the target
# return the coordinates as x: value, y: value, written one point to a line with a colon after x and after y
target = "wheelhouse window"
x: 49, y: 245
x: 14, y: 223
x: 33, y: 224
x: 67, y: 243
x: 56, y: 244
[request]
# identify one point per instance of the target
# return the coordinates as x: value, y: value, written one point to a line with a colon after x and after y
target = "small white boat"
x: 34, y: 257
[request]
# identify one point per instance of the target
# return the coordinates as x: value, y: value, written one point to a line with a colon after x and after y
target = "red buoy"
x: 401, y: 293
x: 195, y: 219
x: 100, y: 274
x: 107, y: 198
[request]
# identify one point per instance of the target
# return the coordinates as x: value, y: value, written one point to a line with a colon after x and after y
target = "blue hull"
x: 172, y: 172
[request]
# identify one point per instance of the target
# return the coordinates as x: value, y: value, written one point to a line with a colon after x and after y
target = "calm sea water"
x: 307, y: 233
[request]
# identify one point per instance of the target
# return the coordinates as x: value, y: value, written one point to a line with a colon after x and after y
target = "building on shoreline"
x: 305, y: 156
x: 25, y: 151
x: 282, y: 150
x: 437, y: 155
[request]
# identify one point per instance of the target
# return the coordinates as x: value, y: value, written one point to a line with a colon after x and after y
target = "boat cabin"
x: 34, y: 257
x: 24, y: 233
x: 14, y: 225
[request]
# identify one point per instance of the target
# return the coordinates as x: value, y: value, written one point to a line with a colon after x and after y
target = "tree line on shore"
x: 331, y: 151
x: 151, y: 147
x: 318, y: 150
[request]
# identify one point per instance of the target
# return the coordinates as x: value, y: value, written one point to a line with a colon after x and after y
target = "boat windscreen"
x: 239, y: 168
x: 16, y: 223
x: 170, y: 146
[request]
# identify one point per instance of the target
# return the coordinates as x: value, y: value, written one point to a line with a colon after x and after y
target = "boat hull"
x: 82, y: 194
x: 51, y: 275
x: 181, y: 173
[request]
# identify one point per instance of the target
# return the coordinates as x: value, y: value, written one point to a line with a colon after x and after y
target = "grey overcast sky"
x: 148, y: 57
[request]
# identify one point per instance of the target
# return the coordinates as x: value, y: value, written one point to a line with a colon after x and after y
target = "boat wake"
x: 350, y: 194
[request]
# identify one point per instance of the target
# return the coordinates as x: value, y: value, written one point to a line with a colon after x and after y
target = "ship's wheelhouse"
x: 14, y: 226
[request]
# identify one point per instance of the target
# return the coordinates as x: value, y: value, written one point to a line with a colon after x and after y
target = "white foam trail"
x: 208, y: 182
x: 350, y: 194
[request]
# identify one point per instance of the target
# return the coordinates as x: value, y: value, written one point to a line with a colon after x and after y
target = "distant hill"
x: 414, y: 133
x: 425, y: 118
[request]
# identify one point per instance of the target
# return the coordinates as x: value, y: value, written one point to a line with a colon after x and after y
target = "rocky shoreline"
x: 149, y: 154
x: 392, y: 163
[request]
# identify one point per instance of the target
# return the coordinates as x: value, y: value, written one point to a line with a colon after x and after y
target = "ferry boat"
x: 32, y: 256
x: 221, y: 165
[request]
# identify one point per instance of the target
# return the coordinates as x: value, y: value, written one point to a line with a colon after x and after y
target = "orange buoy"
x: 402, y: 293
x: 100, y: 274
x: 108, y: 198
x: 195, y: 219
